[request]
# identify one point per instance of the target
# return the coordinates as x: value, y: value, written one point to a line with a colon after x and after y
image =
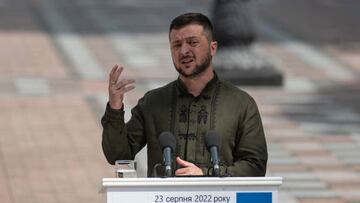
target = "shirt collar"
x: 206, y: 92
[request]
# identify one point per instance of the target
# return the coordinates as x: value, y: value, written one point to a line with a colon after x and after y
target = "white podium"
x: 193, y: 189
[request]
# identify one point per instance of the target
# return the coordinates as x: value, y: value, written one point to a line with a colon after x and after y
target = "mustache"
x: 187, y: 57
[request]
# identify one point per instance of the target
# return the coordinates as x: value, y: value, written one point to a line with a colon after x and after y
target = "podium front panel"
x: 199, y: 190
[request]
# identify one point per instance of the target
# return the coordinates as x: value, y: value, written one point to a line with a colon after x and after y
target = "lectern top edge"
x: 229, y: 181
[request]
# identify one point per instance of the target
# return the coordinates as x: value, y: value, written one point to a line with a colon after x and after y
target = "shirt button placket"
x: 192, y: 130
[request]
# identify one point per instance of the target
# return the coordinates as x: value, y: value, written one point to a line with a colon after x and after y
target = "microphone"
x: 212, y: 141
x: 167, y: 144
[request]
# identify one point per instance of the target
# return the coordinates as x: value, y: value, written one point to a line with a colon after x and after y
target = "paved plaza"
x: 55, y: 57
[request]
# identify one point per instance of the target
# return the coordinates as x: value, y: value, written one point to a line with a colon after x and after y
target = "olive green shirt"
x: 221, y: 107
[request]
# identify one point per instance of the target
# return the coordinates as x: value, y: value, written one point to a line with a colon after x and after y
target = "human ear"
x: 213, y: 47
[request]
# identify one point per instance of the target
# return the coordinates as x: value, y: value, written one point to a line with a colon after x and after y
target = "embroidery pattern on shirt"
x: 184, y: 136
x: 202, y: 115
x: 183, y: 117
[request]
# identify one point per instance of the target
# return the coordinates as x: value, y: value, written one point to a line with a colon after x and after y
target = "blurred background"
x: 55, y: 57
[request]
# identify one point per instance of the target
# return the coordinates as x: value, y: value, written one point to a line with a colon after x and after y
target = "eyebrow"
x: 187, y: 38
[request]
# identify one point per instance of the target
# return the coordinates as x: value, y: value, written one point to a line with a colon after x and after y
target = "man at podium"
x: 197, y: 102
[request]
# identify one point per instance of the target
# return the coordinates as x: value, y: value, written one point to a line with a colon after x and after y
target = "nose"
x: 184, y: 50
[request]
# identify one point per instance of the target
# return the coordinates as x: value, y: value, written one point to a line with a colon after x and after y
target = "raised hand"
x: 117, y: 88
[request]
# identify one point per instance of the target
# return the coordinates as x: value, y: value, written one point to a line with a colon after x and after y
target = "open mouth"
x: 186, y: 60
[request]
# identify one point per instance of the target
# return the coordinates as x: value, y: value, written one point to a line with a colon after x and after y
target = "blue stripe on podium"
x: 253, y: 197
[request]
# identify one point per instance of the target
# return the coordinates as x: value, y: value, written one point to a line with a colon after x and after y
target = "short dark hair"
x: 193, y: 18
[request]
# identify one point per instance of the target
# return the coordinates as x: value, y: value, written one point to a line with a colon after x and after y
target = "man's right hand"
x: 118, y: 87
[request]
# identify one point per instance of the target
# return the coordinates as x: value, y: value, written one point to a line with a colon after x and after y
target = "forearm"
x: 240, y: 168
x: 114, y: 138
x: 250, y: 168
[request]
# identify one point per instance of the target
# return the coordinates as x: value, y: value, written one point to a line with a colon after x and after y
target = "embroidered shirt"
x: 220, y: 107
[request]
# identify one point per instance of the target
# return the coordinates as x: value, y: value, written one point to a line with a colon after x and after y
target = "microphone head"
x: 212, y: 138
x: 167, y: 139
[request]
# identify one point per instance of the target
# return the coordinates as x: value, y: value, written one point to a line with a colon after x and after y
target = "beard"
x: 199, y: 68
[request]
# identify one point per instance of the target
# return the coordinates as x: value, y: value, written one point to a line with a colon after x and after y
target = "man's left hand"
x: 189, y: 169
